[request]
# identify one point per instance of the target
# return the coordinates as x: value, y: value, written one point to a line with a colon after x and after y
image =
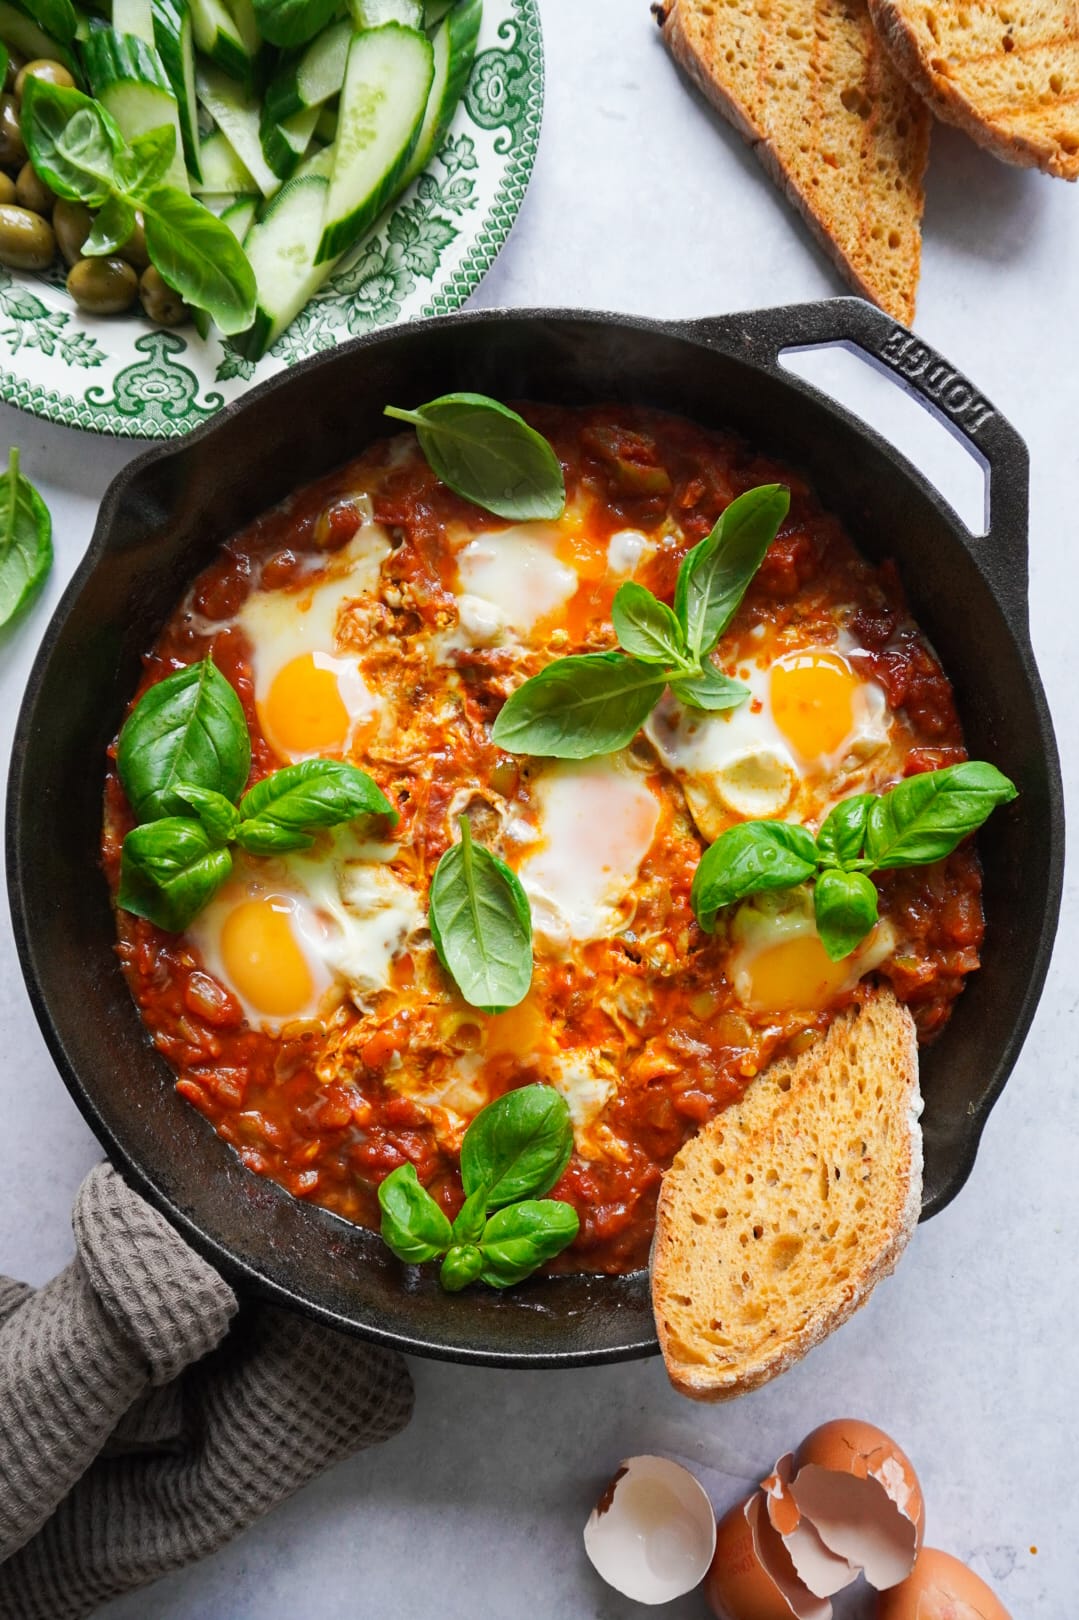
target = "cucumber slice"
x: 243, y: 15
x: 280, y: 248
x: 173, y: 36
x: 134, y: 17
x: 128, y: 79
x: 239, y: 216
x: 434, y: 11
x: 283, y: 145
x: 24, y: 36
x: 387, y: 85
x: 222, y: 170
x: 237, y: 115
x: 326, y: 128
x: 454, y: 46
x: 218, y: 37
x: 312, y: 78
x: 375, y: 13
x: 217, y: 201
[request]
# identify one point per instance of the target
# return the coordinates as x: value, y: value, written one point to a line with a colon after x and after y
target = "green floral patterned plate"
x: 423, y: 258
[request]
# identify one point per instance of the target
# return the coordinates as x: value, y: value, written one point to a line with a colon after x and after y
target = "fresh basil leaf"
x: 481, y: 925
x: 490, y: 455
x: 647, y: 627
x: 845, y: 904
x: 461, y: 1266
x: 283, y: 810
x: 522, y: 1236
x: 711, y: 689
x: 587, y: 704
x: 413, y: 1225
x: 169, y: 869
x: 748, y: 859
x: 57, y: 18
x: 111, y: 228
x: 143, y: 165
x: 190, y: 729
x: 25, y: 541
x: 925, y: 817
x: 518, y: 1146
x: 218, y: 816
x: 471, y: 1217
x: 73, y: 142
x: 842, y: 833
x: 199, y: 258
x: 715, y: 575
x: 293, y: 22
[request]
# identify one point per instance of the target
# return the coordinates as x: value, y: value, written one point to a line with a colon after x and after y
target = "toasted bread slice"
x: 1008, y: 75
x: 812, y: 90
x: 779, y: 1218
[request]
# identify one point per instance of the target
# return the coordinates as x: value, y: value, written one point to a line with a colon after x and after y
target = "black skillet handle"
x: 762, y: 335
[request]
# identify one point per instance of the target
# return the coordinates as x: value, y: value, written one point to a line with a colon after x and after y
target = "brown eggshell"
x: 940, y: 1588
x: 821, y: 1571
x: 860, y: 1492
x: 737, y: 1586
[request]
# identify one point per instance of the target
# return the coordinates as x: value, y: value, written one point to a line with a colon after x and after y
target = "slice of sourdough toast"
x: 776, y: 1221
x: 813, y: 91
x: 1007, y: 74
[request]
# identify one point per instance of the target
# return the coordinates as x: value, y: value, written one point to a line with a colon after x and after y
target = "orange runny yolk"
x: 795, y: 974
x: 263, y: 959
x: 303, y: 712
x: 813, y: 702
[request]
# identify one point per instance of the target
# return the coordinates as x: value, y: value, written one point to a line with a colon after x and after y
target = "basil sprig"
x: 481, y: 925
x: 490, y: 455
x: 920, y: 821
x: 77, y: 149
x: 512, y: 1153
x: 25, y: 541
x: 595, y: 703
x: 184, y: 756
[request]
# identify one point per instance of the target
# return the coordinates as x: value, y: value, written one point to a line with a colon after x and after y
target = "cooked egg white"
x: 809, y: 726
x: 312, y: 698
x: 289, y: 936
x: 589, y: 825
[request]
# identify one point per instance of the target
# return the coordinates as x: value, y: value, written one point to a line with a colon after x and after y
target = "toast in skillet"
x: 813, y: 91
x: 777, y: 1221
x: 1007, y: 75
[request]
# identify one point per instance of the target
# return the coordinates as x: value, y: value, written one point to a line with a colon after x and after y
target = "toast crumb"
x: 813, y: 91
x: 776, y: 1222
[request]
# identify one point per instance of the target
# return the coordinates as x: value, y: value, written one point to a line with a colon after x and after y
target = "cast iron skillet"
x: 162, y: 520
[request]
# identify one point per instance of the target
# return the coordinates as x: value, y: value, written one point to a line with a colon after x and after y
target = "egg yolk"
x: 813, y: 702
x: 263, y: 960
x: 303, y: 711
x: 794, y: 975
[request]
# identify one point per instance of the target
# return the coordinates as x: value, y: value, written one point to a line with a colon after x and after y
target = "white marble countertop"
x: 643, y: 202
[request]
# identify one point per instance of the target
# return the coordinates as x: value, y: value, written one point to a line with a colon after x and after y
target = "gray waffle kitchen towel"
x: 144, y: 1421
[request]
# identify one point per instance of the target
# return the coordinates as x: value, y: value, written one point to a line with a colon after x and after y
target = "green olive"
x: 72, y: 223
x: 12, y: 148
x: 7, y: 188
x: 160, y: 302
x: 103, y: 286
x: 15, y: 65
x: 134, y: 249
x: 43, y: 68
x: 26, y: 240
x: 33, y: 193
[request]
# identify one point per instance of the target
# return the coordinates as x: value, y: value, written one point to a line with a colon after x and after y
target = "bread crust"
x: 682, y: 24
x: 883, y: 1028
x: 912, y: 50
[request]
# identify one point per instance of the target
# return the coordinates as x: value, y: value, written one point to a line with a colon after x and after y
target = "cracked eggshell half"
x: 862, y: 1496
x: 752, y: 1576
x: 652, y: 1533
x: 940, y: 1588
x: 822, y: 1571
